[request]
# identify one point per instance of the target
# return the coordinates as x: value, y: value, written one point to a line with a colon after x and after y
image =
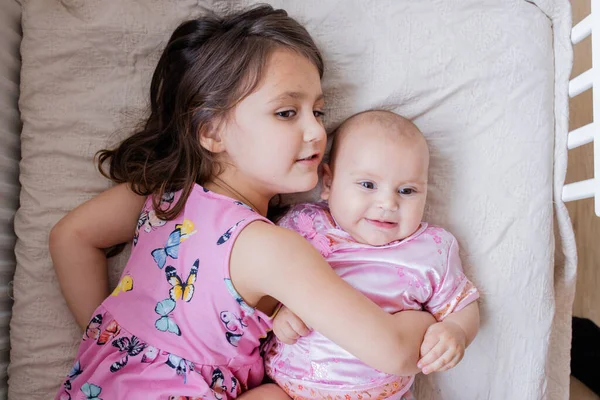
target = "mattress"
x: 486, y: 82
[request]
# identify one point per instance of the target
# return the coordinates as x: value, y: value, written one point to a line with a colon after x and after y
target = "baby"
x: 372, y: 234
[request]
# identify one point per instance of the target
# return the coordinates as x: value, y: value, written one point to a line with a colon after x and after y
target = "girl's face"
x: 274, y: 139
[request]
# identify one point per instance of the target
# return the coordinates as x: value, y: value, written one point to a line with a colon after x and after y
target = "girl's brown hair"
x: 209, y: 65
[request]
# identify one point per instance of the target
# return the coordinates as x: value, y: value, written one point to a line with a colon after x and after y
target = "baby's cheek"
x: 411, y: 223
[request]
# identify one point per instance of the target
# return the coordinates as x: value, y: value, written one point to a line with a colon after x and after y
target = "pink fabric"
x: 422, y: 271
x: 175, y: 326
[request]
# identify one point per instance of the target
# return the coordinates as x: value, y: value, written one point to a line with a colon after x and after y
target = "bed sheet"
x: 486, y: 82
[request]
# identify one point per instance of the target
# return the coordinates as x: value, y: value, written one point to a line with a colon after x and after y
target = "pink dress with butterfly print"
x: 175, y: 328
x: 422, y: 271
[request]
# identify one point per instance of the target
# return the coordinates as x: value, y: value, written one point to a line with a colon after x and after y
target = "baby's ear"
x: 211, y: 137
x: 327, y: 179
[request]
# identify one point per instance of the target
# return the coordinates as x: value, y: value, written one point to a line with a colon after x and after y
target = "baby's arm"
x: 76, y: 244
x: 468, y: 320
x: 274, y: 261
x: 445, y: 342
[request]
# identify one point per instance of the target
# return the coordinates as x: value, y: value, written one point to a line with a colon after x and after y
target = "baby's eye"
x: 318, y: 114
x: 286, y: 113
x: 406, y: 191
x: 367, y: 185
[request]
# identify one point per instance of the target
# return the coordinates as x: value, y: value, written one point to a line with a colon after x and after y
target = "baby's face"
x: 377, y: 188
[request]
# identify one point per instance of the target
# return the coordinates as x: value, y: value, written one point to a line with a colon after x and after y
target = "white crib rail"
x: 590, y: 79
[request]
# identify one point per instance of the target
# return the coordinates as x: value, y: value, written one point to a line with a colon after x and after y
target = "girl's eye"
x: 319, y: 114
x: 367, y: 185
x: 406, y: 191
x: 286, y: 113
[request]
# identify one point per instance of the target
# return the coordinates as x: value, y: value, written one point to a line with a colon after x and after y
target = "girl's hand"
x: 288, y: 327
x: 443, y: 347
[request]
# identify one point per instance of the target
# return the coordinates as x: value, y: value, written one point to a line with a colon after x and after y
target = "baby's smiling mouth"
x: 382, y: 224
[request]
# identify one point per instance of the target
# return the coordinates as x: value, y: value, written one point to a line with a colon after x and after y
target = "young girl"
x: 372, y: 234
x: 235, y: 118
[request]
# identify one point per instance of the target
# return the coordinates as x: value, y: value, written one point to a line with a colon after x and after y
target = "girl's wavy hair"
x: 208, y: 66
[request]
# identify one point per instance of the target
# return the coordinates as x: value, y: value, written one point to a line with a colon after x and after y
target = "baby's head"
x: 376, y: 179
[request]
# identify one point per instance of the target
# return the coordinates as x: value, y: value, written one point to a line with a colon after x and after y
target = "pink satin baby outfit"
x: 175, y: 327
x: 422, y: 271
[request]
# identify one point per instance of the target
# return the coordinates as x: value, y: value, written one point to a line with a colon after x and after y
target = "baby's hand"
x: 443, y: 347
x: 288, y: 327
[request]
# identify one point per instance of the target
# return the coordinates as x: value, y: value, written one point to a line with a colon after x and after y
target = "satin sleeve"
x: 454, y: 291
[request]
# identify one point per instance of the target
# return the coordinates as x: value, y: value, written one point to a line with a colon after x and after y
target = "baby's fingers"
x: 438, y: 364
x: 453, y: 363
x: 429, y: 342
x: 287, y: 334
x: 430, y: 351
x: 299, y: 327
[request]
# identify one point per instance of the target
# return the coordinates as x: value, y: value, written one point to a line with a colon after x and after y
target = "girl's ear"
x: 211, y: 138
x: 327, y: 179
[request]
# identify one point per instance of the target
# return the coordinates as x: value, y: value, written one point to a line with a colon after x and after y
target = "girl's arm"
x: 414, y: 333
x: 272, y: 261
x: 77, y: 242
